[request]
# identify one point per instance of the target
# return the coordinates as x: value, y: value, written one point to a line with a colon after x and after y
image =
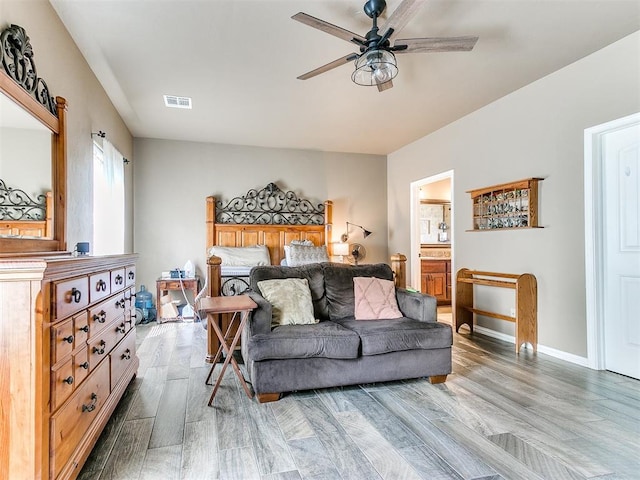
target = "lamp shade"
x: 341, y: 249
x: 375, y: 67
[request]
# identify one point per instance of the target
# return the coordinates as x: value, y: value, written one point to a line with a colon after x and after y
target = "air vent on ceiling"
x: 177, y: 102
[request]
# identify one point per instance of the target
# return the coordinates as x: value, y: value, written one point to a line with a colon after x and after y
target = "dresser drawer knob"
x: 100, y: 317
x: 68, y: 380
x: 121, y: 328
x: 84, y: 365
x: 92, y: 406
x: 101, y: 286
x: 75, y: 295
x: 100, y: 350
x: 126, y: 355
x: 84, y: 329
x: 68, y: 339
x: 120, y: 303
x: 119, y: 279
x: 131, y: 275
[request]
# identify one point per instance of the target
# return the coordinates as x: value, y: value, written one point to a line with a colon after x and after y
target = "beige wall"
x: 173, y: 178
x: 535, y: 131
x: 62, y: 66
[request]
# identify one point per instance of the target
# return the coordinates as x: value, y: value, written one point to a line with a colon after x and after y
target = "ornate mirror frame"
x: 19, y: 81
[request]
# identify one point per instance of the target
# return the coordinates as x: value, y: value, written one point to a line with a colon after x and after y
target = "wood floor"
x: 498, y: 416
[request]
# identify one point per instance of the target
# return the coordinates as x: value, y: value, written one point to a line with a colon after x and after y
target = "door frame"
x: 594, y: 236
x: 414, y: 261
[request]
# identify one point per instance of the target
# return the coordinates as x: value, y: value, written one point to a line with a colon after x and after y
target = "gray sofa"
x: 340, y: 350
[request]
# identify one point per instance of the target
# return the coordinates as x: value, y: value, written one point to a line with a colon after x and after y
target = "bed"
x: 269, y: 217
x: 23, y: 216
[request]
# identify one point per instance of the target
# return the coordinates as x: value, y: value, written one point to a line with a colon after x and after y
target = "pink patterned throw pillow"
x: 375, y: 298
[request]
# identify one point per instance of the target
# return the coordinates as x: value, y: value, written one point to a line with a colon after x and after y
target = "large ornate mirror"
x: 32, y: 153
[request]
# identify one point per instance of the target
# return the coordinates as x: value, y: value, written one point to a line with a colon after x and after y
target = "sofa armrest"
x: 260, y: 320
x: 416, y: 305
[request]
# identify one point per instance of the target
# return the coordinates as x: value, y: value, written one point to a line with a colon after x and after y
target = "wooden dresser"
x: 68, y: 352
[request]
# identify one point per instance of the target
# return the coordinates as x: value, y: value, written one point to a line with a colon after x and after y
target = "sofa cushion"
x: 290, y: 300
x: 338, y: 283
x: 325, y: 339
x: 375, y: 298
x: 313, y: 273
x: 384, y: 336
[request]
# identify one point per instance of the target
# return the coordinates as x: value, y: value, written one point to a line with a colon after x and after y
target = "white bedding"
x: 234, y: 271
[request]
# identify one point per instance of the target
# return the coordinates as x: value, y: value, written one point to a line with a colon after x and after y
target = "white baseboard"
x: 552, y: 352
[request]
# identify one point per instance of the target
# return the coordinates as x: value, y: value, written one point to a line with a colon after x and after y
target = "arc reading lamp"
x: 345, y: 235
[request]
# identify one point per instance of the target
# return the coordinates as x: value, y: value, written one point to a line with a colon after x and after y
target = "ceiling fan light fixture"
x: 375, y: 67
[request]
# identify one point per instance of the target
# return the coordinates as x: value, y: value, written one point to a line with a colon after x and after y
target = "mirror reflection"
x: 435, y: 222
x: 26, y: 208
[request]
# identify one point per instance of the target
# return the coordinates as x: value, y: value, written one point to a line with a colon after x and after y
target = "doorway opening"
x: 432, y: 242
x: 612, y: 245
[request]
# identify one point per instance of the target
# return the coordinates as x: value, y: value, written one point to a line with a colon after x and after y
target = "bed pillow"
x: 375, y: 299
x: 305, y: 254
x: 287, y: 249
x: 242, y: 256
x: 290, y: 299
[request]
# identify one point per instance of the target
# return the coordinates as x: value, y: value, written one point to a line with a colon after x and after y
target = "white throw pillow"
x: 290, y: 299
x: 242, y: 256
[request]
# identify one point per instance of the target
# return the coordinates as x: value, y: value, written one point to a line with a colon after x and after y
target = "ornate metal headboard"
x: 270, y: 206
x: 17, y: 205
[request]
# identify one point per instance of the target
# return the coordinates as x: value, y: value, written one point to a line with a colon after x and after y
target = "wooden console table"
x: 165, y: 285
x: 525, y: 285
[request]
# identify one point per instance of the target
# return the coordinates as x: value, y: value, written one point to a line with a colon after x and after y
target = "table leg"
x: 226, y: 339
x: 230, y: 359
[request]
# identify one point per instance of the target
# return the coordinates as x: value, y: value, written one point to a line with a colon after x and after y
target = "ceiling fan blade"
x: 400, y: 17
x: 330, y: 28
x: 385, y: 86
x: 436, y: 44
x: 329, y: 66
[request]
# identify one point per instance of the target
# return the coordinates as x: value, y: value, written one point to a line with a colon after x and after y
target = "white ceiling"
x: 239, y: 61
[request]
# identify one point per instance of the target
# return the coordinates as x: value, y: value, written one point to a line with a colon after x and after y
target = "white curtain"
x: 108, y: 200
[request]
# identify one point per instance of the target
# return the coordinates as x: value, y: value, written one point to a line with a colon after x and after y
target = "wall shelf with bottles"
x: 506, y: 206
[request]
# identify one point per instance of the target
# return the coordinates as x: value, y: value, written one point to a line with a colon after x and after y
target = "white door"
x: 621, y: 170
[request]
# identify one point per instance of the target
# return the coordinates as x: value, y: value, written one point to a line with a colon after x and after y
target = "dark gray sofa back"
x: 331, y: 284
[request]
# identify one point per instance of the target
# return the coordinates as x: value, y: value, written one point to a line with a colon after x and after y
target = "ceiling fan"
x: 376, y: 62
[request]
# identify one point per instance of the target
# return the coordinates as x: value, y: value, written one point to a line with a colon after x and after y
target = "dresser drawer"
x: 104, y: 313
x: 62, y: 339
x: 117, y: 279
x: 80, y: 365
x: 99, y: 286
x: 80, y: 329
x: 62, y: 384
x: 101, y: 344
x: 122, y: 357
x: 69, y: 424
x: 71, y: 296
x: 130, y: 276
x: 122, y: 327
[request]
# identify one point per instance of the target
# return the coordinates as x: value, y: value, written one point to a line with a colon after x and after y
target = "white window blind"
x: 108, y: 199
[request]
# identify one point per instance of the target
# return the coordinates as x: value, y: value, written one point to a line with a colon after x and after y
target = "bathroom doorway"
x: 432, y: 244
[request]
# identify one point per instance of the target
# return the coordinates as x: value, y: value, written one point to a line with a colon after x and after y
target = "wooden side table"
x: 164, y: 285
x: 240, y: 306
